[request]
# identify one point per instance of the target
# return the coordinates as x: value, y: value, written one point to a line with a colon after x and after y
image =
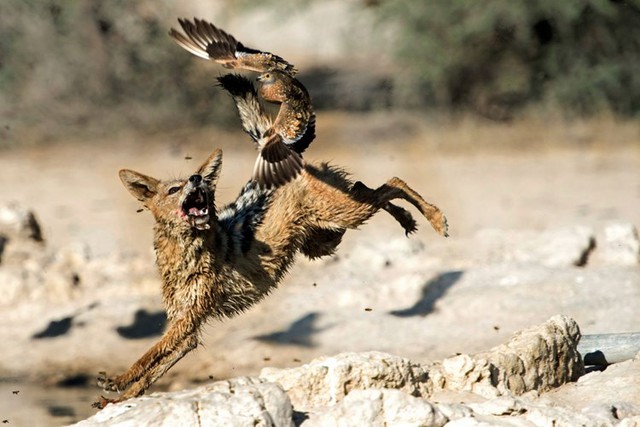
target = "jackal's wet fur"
x: 223, y: 266
x: 217, y: 263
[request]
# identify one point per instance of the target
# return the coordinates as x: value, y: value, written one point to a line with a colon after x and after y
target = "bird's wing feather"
x: 307, y: 136
x: 210, y: 42
x: 277, y: 163
x: 254, y: 119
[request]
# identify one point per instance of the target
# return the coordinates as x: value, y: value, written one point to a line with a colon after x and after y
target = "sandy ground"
x: 519, y: 176
x: 522, y: 176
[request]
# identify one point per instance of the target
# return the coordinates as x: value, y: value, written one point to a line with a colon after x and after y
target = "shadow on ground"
x: 300, y: 332
x: 432, y: 291
x: 145, y: 325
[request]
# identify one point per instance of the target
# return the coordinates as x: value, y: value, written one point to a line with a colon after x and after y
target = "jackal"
x: 218, y: 263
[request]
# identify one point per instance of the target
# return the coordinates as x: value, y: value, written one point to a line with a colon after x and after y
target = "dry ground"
x: 534, y: 175
x: 530, y: 174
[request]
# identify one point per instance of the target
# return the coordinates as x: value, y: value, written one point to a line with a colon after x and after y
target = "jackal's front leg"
x: 179, y: 339
x: 152, y: 374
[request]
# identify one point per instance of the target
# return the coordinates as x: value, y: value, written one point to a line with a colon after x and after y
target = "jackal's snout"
x: 195, y: 203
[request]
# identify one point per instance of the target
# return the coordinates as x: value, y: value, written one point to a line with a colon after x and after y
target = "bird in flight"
x: 281, y: 145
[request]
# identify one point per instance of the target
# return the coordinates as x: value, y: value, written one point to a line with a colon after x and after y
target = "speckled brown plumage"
x: 209, y: 42
x: 279, y: 159
x: 216, y: 264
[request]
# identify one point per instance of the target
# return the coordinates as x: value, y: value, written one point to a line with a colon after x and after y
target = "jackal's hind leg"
x: 403, y: 216
x: 396, y: 188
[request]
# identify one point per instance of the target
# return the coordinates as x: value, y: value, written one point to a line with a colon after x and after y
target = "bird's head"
x: 267, y: 78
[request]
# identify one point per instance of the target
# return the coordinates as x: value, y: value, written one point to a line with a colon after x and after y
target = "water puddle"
x: 28, y: 404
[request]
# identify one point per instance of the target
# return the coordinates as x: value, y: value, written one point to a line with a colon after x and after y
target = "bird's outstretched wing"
x: 209, y: 42
x: 277, y: 162
x: 307, y: 137
x: 255, y: 120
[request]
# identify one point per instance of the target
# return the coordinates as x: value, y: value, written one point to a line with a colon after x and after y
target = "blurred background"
x: 508, y: 115
x: 88, y: 87
x: 89, y: 67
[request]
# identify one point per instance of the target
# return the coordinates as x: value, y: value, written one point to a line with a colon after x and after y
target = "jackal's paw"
x: 110, y: 384
x: 404, y: 218
x: 103, y: 401
x: 440, y: 224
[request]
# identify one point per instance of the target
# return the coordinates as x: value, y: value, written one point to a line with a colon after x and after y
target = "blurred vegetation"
x: 581, y: 56
x: 90, y: 65
x: 110, y: 64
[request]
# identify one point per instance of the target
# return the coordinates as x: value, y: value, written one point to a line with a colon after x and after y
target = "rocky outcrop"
x: 421, y: 302
x: 374, y: 388
x: 540, y: 358
x: 327, y: 380
x: 240, y: 402
x: 379, y: 407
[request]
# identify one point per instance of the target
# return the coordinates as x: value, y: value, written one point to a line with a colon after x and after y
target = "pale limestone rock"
x: 613, y: 394
x: 504, y: 405
x: 630, y: 422
x: 241, y: 402
x: 327, y: 380
x: 539, y: 358
x: 560, y: 417
x: 454, y: 411
x: 489, y: 421
x: 379, y: 407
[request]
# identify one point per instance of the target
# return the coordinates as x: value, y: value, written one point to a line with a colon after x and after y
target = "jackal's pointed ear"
x: 141, y: 186
x: 210, y: 170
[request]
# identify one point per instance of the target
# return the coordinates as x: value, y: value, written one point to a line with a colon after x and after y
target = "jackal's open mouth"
x: 196, y: 209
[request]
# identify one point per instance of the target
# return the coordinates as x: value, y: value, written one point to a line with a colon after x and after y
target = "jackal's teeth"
x: 195, y: 212
x: 195, y: 204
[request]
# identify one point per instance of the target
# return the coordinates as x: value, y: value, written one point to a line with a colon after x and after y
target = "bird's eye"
x: 174, y: 190
x: 267, y: 76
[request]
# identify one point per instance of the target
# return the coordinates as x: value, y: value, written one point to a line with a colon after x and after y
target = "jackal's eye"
x: 173, y: 190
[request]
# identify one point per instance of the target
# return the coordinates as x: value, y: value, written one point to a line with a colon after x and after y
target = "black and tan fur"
x: 228, y: 262
x: 216, y: 264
